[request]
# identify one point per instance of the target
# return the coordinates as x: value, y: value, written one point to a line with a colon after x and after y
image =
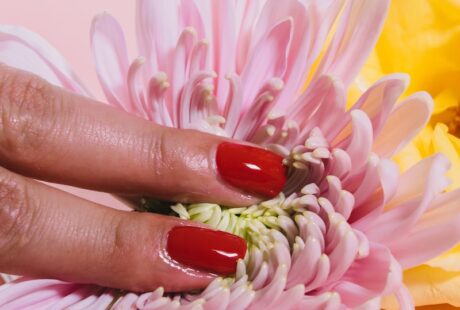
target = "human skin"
x: 50, y: 134
x: 66, y: 25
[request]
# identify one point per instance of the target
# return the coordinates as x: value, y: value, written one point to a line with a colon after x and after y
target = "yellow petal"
x: 445, y: 100
x: 417, y: 149
x: 422, y: 38
x: 455, y: 142
x: 408, y: 156
x: 429, y: 286
x: 443, y: 142
x: 437, y: 307
x: 449, y: 261
x: 424, y: 43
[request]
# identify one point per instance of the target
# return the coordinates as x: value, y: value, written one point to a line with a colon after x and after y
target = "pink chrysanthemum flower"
x: 346, y: 224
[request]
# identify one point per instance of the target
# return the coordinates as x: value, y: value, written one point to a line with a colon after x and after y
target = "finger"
x: 47, y: 233
x: 54, y: 135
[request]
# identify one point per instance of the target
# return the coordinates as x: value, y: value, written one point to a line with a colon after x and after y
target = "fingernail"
x: 206, y: 250
x: 254, y: 170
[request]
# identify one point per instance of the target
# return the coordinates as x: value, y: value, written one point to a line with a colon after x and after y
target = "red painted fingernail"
x: 251, y: 169
x: 204, y: 249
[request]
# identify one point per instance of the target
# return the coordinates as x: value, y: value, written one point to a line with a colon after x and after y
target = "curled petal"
x: 111, y: 60
x: 28, y: 51
x: 400, y: 129
x: 356, y: 34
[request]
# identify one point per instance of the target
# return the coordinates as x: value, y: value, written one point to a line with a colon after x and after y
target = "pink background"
x: 66, y: 25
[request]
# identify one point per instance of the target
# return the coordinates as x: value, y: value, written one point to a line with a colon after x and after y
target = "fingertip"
x: 204, y: 249
x: 256, y: 171
x: 175, y: 254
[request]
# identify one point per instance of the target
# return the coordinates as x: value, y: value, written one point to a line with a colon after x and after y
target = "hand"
x: 50, y: 134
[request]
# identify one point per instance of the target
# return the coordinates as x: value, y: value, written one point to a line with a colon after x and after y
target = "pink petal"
x: 28, y: 51
x: 303, y: 267
x: 404, y: 298
x: 325, y: 13
x: 379, y: 99
x: 319, y: 106
x: 366, y: 278
x: 127, y: 301
x: 330, y: 301
x: 437, y: 231
x: 343, y: 255
x: 272, y: 291
x: 355, y: 37
x: 180, y: 59
x: 111, y: 60
x: 405, y: 121
x: 267, y: 60
x: 25, y: 291
x: 246, y: 14
x: 135, y: 85
x: 104, y: 300
x: 290, y: 298
x: 370, y: 182
x: 191, y: 17
x: 257, y: 114
x: 360, y: 140
x: 225, y: 41
x: 158, y: 21
x: 273, y: 12
x: 330, y: 111
x: 366, y: 213
x: 219, y: 301
x: 234, y: 101
x: 417, y: 188
x: 79, y: 293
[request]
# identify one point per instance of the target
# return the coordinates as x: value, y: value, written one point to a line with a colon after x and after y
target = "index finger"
x: 54, y: 135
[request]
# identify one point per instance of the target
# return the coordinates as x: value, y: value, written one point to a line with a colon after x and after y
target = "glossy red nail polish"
x: 254, y: 170
x: 206, y: 250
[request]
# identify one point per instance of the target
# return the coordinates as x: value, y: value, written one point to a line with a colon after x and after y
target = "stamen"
x: 157, y: 87
x: 136, y: 89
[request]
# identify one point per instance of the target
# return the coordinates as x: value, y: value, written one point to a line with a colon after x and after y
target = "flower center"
x: 302, y: 236
x: 450, y: 117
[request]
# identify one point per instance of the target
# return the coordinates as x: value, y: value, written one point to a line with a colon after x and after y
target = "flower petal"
x: 366, y: 278
x: 158, y: 21
x: 297, y: 60
x: 356, y: 35
x: 416, y: 190
x: 268, y: 60
x: 437, y: 231
x: 379, y: 99
x: 364, y: 215
x: 225, y: 43
x: 433, y: 286
x: 28, y: 51
x: 448, y: 144
x: 320, y: 105
x: 399, y: 128
x: 111, y: 60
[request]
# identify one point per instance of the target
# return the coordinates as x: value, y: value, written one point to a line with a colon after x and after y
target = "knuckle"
x: 156, y: 147
x: 128, y: 248
x: 28, y: 112
x: 121, y: 244
x: 15, y: 212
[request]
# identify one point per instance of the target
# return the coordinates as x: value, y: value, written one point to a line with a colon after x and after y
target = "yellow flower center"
x: 451, y: 118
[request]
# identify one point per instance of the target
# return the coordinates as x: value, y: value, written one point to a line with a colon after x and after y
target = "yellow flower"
x: 422, y: 38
